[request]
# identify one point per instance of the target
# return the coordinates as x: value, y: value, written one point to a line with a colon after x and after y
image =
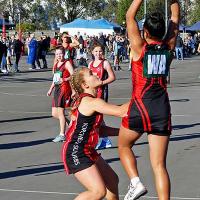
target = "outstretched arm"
x: 134, y: 35
x: 101, y: 106
x: 173, y: 25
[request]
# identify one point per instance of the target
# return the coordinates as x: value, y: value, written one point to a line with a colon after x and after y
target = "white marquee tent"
x: 90, y: 27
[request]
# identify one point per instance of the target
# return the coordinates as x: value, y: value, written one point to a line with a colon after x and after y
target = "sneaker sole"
x: 100, y: 148
x: 58, y: 141
x: 141, y: 194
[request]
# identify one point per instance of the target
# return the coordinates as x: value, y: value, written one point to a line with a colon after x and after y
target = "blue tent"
x: 103, y: 24
x: 6, y: 23
x: 182, y: 27
x: 81, y: 23
x: 195, y: 27
x: 97, y: 24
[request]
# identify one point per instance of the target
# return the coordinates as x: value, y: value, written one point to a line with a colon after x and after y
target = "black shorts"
x: 77, y: 158
x: 61, y: 99
x: 149, y: 115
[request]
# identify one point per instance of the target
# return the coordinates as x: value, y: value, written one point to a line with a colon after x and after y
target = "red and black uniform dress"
x: 99, y: 71
x: 149, y: 110
x: 79, y: 152
x: 62, y: 92
x: 69, y: 54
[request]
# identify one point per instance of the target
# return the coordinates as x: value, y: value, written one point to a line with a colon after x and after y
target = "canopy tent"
x: 195, y: 27
x: 6, y: 23
x: 90, y: 27
x: 182, y: 27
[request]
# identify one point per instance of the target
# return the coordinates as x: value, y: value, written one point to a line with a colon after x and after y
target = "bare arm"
x: 101, y: 106
x: 74, y: 43
x: 134, y: 35
x: 50, y: 89
x: 111, y: 75
x: 69, y: 67
x: 173, y: 29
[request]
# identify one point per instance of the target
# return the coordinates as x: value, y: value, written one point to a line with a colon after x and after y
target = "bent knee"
x: 99, y: 193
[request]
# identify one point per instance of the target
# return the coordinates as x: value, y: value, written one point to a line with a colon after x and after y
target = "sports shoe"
x: 104, y: 143
x: 31, y: 69
x: 16, y: 70
x: 4, y: 71
x: 59, y: 138
x: 136, y: 191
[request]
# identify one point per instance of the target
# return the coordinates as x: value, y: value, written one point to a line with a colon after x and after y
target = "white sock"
x: 62, y: 134
x: 135, y: 180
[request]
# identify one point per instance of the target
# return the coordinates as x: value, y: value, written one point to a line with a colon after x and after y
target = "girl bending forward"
x: 79, y: 155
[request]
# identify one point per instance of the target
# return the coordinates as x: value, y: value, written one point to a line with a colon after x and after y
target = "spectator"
x: 12, y: 41
x: 179, y: 47
x: 18, y: 49
x: 117, y: 49
x: 4, y: 55
x: 81, y: 56
x: 54, y: 42
x: 42, y: 51
x: 1, y: 51
x: 32, y: 52
x: 191, y: 45
x: 102, y: 41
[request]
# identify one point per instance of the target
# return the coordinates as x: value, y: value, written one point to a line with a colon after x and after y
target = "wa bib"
x: 156, y: 62
x: 56, y: 77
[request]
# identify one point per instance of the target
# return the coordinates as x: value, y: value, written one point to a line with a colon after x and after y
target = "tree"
x: 39, y: 16
x: 68, y: 10
x: 14, y: 7
x: 155, y: 5
x: 122, y: 8
x: 26, y: 27
x: 108, y: 10
x: 191, y: 13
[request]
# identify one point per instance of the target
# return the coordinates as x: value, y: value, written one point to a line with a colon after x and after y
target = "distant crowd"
x: 116, y: 48
x: 187, y: 46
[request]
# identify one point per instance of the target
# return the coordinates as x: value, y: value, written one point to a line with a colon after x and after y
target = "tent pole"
x: 166, y: 14
x: 145, y: 8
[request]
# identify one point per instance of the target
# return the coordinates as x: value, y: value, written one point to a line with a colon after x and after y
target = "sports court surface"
x: 30, y: 163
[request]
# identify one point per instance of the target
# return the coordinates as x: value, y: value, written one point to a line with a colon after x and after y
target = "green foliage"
x: 95, y: 8
x: 68, y: 10
x: 41, y: 13
x: 123, y: 6
x: 194, y: 14
x: 39, y: 17
x: 155, y: 5
x: 26, y: 27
